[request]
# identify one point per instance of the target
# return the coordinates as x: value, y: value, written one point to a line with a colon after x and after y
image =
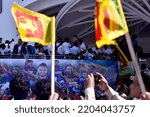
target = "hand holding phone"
x: 103, y: 84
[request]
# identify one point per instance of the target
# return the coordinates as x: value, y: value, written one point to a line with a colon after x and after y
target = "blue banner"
x: 69, y: 74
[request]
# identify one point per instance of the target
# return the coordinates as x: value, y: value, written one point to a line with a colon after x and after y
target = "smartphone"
x: 97, y: 77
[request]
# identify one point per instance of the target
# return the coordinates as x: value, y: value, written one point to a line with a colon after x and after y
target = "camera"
x: 97, y: 78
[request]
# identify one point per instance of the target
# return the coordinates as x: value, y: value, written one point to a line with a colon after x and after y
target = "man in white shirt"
x: 75, y: 49
x: 66, y: 47
x: 82, y: 45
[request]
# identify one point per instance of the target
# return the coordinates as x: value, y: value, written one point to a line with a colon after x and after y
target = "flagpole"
x: 135, y: 63
x: 53, y: 69
x: 53, y: 61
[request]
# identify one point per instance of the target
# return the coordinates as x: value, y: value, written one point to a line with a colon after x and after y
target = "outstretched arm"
x: 104, y: 86
x: 89, y: 88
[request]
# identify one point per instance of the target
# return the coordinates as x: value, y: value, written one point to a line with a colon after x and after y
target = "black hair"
x: 19, y: 88
x: 143, y: 66
x: 75, y: 43
x: 134, y: 36
x: 3, y: 46
x: 7, y: 41
x: 42, y: 89
x: 66, y: 39
x: 43, y: 65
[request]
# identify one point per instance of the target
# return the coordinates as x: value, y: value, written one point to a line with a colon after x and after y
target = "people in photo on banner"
x: 29, y: 70
x: 42, y: 71
x: 17, y: 71
x: 5, y: 73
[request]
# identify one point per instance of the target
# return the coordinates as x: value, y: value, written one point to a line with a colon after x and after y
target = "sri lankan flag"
x: 110, y: 22
x: 33, y: 26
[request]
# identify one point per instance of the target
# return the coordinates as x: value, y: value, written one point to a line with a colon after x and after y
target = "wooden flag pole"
x: 135, y: 63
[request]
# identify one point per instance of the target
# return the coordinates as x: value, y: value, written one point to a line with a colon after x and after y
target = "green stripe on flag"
x: 117, y: 12
x: 49, y: 33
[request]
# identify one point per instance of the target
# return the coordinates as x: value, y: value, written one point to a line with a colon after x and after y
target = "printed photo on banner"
x: 69, y: 74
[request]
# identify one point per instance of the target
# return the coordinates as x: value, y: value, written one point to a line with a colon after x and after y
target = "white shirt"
x: 19, y: 49
x: 97, y: 51
x: 90, y: 56
x: 59, y: 50
x: 107, y: 51
x: 66, y: 48
x: 83, y: 46
x: 74, y: 50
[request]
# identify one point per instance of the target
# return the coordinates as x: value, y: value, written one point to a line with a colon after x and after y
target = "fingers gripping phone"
x: 97, y: 77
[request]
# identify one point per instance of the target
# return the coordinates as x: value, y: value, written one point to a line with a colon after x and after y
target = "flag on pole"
x: 110, y: 22
x: 33, y: 26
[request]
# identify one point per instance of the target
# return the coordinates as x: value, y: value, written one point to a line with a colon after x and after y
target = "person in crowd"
x: 17, y: 47
x: 2, y: 49
x: 75, y: 50
x: 59, y: 51
x: 47, y: 50
x: 66, y: 46
x: 24, y: 49
x: 107, y: 52
x: 19, y: 88
x: 41, y: 56
x: 31, y: 48
x: 82, y: 45
x: 1, y: 40
x: 42, y: 90
x: 135, y: 90
x: 90, y: 54
x: 7, y: 48
x: 38, y: 48
x: 134, y: 42
x: 146, y: 96
x: 89, y: 88
x: 42, y: 72
x: 97, y: 52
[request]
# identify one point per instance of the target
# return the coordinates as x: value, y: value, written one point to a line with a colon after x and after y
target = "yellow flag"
x: 110, y: 22
x: 33, y: 26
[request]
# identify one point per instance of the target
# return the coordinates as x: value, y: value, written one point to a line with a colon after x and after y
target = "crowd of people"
x: 65, y: 48
x: 36, y: 85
